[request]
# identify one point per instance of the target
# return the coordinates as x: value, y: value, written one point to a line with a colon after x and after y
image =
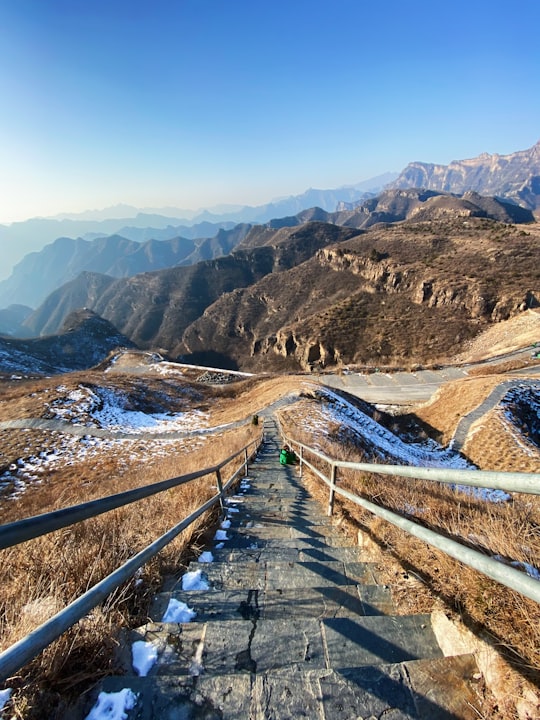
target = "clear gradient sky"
x: 193, y: 103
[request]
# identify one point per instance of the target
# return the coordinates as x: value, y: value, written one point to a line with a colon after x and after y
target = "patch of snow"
x: 194, y: 581
x: 206, y: 557
x: 113, y: 706
x: 108, y: 409
x: 221, y: 535
x: 70, y: 449
x: 4, y: 697
x: 177, y: 611
x: 145, y: 655
x: 225, y: 524
x: 219, y: 546
x: 389, y: 446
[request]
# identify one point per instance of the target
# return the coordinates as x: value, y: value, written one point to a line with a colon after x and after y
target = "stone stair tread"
x: 332, y: 601
x: 295, y: 625
x: 292, y: 554
x: 280, y: 575
x: 247, y: 539
x: 413, y: 690
x: 228, y: 646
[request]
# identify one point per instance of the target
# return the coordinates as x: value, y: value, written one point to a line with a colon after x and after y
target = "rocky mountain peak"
x: 514, y: 177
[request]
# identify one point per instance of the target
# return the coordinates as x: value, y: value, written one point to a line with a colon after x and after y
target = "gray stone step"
x: 258, y: 645
x: 281, y: 575
x: 299, y: 552
x: 331, y: 601
x: 439, y: 689
x: 295, y: 624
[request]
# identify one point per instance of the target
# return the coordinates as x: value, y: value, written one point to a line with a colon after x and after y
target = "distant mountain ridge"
x: 515, y: 177
x: 320, y: 295
x: 20, y: 238
x: 39, y: 274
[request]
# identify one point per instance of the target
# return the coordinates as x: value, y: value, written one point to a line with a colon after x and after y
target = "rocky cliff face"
x: 391, y: 294
x: 515, y: 176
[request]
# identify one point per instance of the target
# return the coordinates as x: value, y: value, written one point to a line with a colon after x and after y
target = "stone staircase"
x: 294, y: 625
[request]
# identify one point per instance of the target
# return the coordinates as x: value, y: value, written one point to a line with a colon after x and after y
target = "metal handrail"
x: 33, y: 527
x: 512, y: 482
x: 26, y: 649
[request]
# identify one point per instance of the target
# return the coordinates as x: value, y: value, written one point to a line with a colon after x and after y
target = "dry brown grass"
x: 504, y: 366
x: 493, y: 444
x: 44, y: 575
x: 423, y: 579
x: 507, y: 336
x: 453, y: 401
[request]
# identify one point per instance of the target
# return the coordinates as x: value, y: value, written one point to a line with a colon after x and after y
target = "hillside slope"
x: 153, y: 309
x: 84, y: 340
x: 408, y: 292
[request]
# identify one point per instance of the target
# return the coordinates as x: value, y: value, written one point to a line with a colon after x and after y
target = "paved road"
x: 403, y: 388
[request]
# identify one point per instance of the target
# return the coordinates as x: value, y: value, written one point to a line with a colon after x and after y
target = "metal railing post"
x: 245, y: 462
x: 301, y: 467
x: 220, y: 489
x: 333, y: 475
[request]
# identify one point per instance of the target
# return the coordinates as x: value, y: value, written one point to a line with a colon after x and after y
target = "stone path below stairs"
x: 294, y: 625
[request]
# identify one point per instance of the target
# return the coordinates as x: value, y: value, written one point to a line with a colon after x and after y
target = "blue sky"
x: 193, y: 103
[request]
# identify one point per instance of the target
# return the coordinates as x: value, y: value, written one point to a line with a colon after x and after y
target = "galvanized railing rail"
x: 509, y: 481
x: 22, y: 652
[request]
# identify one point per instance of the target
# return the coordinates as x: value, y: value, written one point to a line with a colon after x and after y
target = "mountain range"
x: 303, y: 292
x: 407, y: 273
x: 515, y: 177
x: 20, y: 238
x: 60, y: 262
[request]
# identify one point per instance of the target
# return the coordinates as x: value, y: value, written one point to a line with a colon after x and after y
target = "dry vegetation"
x: 44, y: 575
x: 424, y: 579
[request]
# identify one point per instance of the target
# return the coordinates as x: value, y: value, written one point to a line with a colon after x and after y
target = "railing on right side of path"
x: 528, y: 483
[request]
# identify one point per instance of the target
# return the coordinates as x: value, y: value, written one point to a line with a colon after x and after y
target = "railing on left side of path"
x: 26, y: 649
x: 528, y: 483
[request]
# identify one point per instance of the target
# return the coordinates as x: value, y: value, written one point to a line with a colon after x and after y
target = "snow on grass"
x: 145, y: 655
x: 108, y: 408
x: 336, y: 410
x: 168, y: 368
x: 177, y: 611
x: 527, y: 567
x: 113, y: 706
x: 194, y: 580
x: 520, y: 408
x: 67, y: 450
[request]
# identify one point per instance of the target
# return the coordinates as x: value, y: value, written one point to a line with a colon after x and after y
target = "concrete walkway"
x: 294, y: 625
x: 493, y: 399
